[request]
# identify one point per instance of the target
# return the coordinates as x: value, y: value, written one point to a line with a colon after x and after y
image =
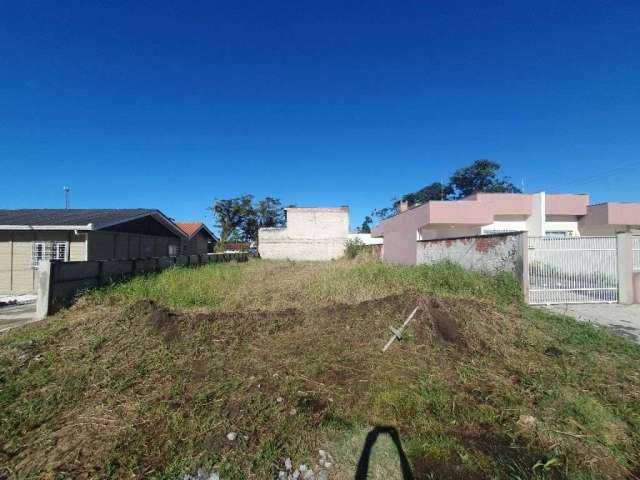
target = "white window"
x: 173, y: 250
x: 51, y: 250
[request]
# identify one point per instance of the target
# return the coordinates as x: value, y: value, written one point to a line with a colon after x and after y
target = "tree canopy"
x: 240, y: 218
x: 480, y: 176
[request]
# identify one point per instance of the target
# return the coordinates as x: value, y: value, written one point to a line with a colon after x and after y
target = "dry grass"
x: 119, y: 387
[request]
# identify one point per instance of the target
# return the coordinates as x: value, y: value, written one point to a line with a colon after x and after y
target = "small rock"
x: 308, y: 475
x: 231, y: 436
x: 296, y: 474
x: 322, y: 475
x: 282, y: 475
x: 293, y: 411
x: 322, y: 453
x: 328, y: 465
x: 288, y: 464
x: 279, y: 399
x: 527, y: 421
x: 303, y: 468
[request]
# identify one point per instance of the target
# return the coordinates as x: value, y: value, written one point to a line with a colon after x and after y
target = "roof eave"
x: 47, y: 227
x: 158, y: 215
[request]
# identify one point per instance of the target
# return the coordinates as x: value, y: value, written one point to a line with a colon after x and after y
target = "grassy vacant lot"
x: 147, y: 378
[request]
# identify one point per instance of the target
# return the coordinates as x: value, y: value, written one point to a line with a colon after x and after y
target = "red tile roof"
x: 190, y: 228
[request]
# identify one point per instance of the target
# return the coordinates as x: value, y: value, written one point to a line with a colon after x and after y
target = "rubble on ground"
x: 305, y: 472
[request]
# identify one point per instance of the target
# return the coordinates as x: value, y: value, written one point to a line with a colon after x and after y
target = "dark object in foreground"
x: 363, y: 463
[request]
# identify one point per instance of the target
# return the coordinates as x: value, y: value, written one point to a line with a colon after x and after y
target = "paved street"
x: 624, y: 319
x: 16, y: 315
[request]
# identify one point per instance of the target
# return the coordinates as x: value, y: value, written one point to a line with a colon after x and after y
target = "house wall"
x: 562, y: 223
x: 17, y: 275
x: 196, y: 245
x: 105, y: 245
x: 310, y: 234
x: 430, y: 232
x: 504, y: 223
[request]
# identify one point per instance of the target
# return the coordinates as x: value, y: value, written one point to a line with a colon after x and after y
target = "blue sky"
x: 170, y: 105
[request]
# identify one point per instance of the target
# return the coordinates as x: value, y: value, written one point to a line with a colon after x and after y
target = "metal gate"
x: 573, y: 270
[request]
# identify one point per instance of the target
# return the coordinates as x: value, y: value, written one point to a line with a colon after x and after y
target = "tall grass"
x: 263, y: 284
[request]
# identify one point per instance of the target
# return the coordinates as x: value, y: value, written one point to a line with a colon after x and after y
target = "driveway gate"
x: 573, y: 270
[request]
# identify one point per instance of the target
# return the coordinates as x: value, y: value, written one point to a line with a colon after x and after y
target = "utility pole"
x: 66, y: 197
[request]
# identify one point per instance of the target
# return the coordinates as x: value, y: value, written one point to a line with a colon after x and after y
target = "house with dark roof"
x: 199, y: 239
x: 31, y: 235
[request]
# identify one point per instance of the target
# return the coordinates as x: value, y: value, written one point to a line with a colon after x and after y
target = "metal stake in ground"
x: 397, y: 333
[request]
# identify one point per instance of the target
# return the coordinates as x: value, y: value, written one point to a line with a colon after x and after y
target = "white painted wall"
x: 310, y: 234
x: 366, y: 238
x: 536, y: 221
x: 506, y: 223
x: 562, y: 223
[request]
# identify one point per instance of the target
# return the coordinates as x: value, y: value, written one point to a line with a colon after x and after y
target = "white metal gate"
x: 573, y: 270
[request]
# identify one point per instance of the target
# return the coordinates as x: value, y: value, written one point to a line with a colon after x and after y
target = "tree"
x: 270, y: 212
x: 384, y: 213
x: 239, y: 219
x: 266, y: 213
x: 230, y: 215
x: 366, y: 225
x: 434, y: 191
x: 480, y: 176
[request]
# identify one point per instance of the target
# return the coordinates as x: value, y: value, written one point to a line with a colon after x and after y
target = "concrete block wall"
x: 311, y: 234
x: 487, y: 253
x: 59, y: 282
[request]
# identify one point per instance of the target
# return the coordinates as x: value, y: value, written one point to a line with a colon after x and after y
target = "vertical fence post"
x: 624, y: 247
x: 524, y: 274
x: 44, y: 289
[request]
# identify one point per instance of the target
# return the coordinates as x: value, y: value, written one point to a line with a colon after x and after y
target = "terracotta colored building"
x: 199, y: 239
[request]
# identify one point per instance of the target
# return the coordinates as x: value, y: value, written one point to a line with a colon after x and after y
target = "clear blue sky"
x: 321, y: 103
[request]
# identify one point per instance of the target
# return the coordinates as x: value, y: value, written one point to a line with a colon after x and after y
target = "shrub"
x: 352, y: 248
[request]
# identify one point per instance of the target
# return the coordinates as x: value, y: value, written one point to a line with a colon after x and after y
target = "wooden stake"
x: 397, y: 334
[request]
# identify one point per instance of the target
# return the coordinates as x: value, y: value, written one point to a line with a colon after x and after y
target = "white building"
x: 310, y: 234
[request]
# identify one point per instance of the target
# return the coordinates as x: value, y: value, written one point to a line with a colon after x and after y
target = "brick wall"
x: 487, y: 253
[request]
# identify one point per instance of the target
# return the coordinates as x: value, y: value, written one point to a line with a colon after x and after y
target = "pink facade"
x: 605, y: 214
x: 482, y: 213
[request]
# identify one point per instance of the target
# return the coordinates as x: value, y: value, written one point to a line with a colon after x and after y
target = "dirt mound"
x: 160, y: 320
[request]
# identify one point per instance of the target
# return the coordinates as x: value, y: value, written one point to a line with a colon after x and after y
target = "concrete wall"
x: 487, y: 253
x: 17, y: 274
x: 310, y: 234
x: 59, y: 282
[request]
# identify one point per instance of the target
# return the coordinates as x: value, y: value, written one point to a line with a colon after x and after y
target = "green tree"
x: 266, y: 213
x: 434, y: 191
x: 231, y: 214
x: 366, y: 225
x: 480, y: 176
x: 239, y: 218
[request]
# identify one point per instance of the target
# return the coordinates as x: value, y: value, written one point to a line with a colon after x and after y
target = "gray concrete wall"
x: 59, y: 282
x: 487, y: 253
x: 311, y: 234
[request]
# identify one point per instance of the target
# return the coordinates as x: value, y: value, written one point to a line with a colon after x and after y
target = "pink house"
x: 538, y: 214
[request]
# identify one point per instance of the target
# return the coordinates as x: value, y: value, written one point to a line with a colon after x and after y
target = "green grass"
x: 276, y: 285
x: 115, y: 388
